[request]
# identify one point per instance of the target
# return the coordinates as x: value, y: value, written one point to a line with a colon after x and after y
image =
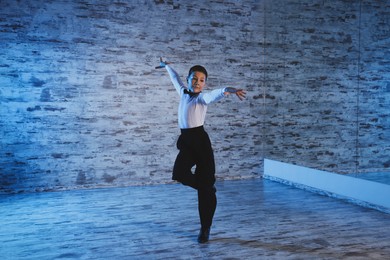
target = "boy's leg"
x: 182, y: 169
x: 207, y: 203
x: 200, y: 153
x: 207, y: 199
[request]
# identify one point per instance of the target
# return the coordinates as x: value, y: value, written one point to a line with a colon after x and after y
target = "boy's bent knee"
x: 187, y: 182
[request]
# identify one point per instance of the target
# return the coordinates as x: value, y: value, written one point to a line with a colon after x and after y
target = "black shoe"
x: 203, y: 236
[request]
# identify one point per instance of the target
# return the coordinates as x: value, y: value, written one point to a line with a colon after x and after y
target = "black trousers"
x: 195, y: 150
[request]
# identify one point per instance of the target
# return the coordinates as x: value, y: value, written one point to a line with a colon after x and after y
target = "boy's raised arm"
x: 175, y: 78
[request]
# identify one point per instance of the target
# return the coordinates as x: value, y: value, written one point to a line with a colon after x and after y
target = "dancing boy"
x: 194, y: 144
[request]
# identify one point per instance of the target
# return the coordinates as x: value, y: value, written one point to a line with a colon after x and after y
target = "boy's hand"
x: 162, y: 64
x: 240, y: 93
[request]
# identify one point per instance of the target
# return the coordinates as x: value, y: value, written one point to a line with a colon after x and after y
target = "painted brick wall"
x: 82, y: 105
x: 327, y: 84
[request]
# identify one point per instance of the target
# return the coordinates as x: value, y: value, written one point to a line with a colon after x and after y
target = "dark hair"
x: 199, y: 69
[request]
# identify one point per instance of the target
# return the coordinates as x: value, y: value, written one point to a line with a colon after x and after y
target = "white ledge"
x: 358, y: 191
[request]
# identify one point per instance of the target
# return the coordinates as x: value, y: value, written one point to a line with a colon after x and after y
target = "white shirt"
x: 192, y: 110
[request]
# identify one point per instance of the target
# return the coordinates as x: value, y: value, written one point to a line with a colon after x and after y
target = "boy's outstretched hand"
x: 162, y: 63
x: 240, y: 93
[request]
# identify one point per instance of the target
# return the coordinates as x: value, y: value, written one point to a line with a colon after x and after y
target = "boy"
x: 194, y: 144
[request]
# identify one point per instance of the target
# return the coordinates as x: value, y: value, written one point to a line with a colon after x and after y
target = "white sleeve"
x: 214, y: 95
x: 176, y: 81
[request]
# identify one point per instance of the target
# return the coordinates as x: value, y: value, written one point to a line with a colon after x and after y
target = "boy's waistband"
x: 192, y: 130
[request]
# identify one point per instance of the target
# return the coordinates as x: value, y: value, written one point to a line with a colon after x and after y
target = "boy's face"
x: 196, y: 81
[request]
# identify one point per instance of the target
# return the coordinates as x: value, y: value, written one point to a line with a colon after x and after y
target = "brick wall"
x: 327, y: 84
x: 82, y: 105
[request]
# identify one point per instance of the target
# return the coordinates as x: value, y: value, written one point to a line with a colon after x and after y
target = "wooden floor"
x: 255, y: 219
